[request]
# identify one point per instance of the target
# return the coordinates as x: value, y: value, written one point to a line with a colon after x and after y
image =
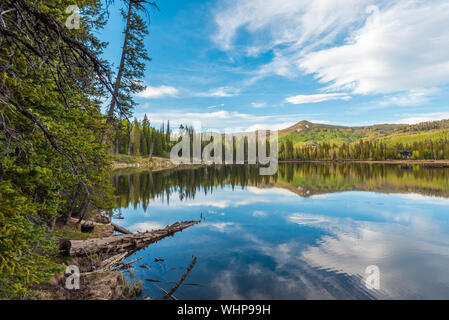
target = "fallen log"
x: 114, y: 260
x: 124, y: 266
x: 88, y: 227
x: 120, y: 229
x: 180, y: 281
x: 121, y: 243
x: 108, y: 264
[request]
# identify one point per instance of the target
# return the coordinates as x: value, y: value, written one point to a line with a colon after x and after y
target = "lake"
x: 309, y: 232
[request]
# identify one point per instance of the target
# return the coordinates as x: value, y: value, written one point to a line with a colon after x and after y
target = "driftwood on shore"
x: 120, y: 229
x: 122, y: 243
x: 112, y: 261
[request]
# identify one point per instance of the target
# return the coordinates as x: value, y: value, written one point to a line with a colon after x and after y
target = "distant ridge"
x: 305, y: 132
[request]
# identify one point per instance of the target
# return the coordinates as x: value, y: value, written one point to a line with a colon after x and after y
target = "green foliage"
x: 322, y: 135
x: 134, y: 56
x: 141, y: 188
x: 52, y: 165
x: 307, y: 141
x: 368, y: 151
x: 306, y: 133
x: 140, y: 138
x: 24, y: 249
x: 412, y: 137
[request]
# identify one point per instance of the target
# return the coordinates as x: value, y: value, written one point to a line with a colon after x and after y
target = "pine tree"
x: 136, y: 138
x: 52, y: 164
x: 168, y: 132
x: 133, y: 59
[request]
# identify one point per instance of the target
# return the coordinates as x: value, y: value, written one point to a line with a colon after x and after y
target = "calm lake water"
x: 309, y: 232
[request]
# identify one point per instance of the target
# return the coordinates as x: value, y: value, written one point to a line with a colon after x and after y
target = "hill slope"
x: 305, y: 132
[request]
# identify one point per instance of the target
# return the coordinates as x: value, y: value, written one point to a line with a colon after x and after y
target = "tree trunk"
x: 130, y: 140
x: 128, y: 242
x: 150, y: 155
x: 68, y: 214
x: 120, y: 229
x: 117, y: 151
x: 118, y: 80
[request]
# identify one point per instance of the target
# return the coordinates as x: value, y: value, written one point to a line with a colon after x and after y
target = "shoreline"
x: 155, y: 163
x: 96, y: 283
x: 429, y: 163
x: 161, y: 164
x: 99, y: 255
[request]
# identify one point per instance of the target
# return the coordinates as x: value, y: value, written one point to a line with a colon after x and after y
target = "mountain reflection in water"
x: 308, y: 232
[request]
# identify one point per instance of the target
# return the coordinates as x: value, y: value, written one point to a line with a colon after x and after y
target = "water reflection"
x: 307, y: 179
x: 307, y: 233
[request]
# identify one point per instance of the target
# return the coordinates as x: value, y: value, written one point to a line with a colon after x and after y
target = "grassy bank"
x: 159, y: 163
x: 94, y: 285
x: 155, y: 163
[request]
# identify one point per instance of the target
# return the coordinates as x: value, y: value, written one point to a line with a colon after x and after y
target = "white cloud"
x: 258, y: 105
x: 315, y: 98
x: 271, y: 191
x: 221, y: 92
x: 216, y: 106
x: 307, y: 219
x: 224, y: 120
x: 227, y: 203
x: 259, y: 213
x: 413, y: 97
x: 350, y: 251
x: 288, y: 28
x: 425, y: 199
x: 265, y: 126
x: 403, y: 47
x: 418, y: 118
x: 222, y: 204
x: 395, y: 47
x: 167, y: 91
x: 223, y: 227
x: 158, y: 92
x: 226, y: 286
x: 216, y: 213
x: 283, y: 22
x: 146, y: 226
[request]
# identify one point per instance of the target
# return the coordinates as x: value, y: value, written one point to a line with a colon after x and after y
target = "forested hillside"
x: 304, y: 133
x: 309, y: 141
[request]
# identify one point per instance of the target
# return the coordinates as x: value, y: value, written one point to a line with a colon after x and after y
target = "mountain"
x: 305, y: 132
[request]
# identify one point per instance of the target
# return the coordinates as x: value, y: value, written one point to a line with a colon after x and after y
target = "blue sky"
x: 244, y: 65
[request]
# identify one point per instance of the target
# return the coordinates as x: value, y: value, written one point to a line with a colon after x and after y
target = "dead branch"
x: 178, y: 284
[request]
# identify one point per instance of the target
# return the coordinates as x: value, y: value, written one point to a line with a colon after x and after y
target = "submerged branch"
x: 178, y: 284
